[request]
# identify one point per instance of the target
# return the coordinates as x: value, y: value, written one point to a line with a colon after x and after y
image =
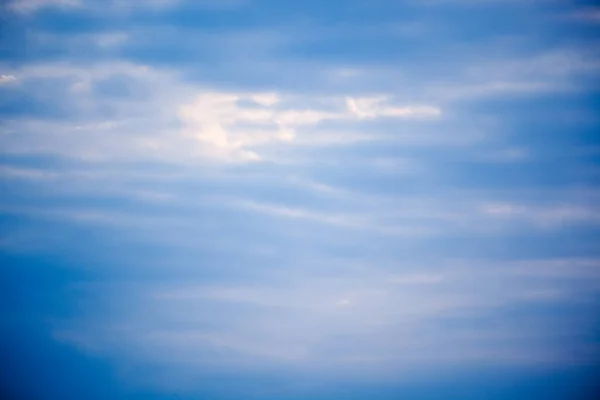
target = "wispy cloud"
x: 223, y: 125
x: 544, y: 216
x: 5, y: 79
x: 28, y: 6
x: 589, y: 14
x: 346, y: 192
x: 231, y: 128
x: 384, y: 318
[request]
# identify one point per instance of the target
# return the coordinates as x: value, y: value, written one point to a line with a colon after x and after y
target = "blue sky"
x: 267, y: 199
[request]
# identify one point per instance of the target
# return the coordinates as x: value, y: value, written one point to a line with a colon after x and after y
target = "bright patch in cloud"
x: 231, y: 127
x: 4, y: 79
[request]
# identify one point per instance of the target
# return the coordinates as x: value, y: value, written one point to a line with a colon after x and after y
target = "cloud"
x: 376, y: 107
x: 7, y: 172
x: 416, y: 279
x: 305, y: 202
x: 561, y: 70
x: 6, y: 79
x: 589, y: 14
x: 557, y: 64
x: 108, y: 40
x: 452, y: 92
x: 544, y: 216
x: 29, y: 6
x: 363, y: 319
x: 232, y: 128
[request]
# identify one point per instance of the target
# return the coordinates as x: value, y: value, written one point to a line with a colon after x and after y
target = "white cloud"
x: 376, y: 107
x: 108, y: 40
x: 28, y: 6
x: 61, y: 70
x: 130, y: 5
x: 231, y: 129
x: 7, y: 172
x: 544, y: 216
x: 215, y: 125
x: 5, y: 79
x: 266, y: 99
x: 450, y: 92
x: 417, y: 279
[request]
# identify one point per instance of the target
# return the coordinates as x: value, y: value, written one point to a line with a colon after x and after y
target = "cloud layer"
x: 368, y: 194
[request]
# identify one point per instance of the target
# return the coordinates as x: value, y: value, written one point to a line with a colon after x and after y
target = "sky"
x: 291, y: 200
